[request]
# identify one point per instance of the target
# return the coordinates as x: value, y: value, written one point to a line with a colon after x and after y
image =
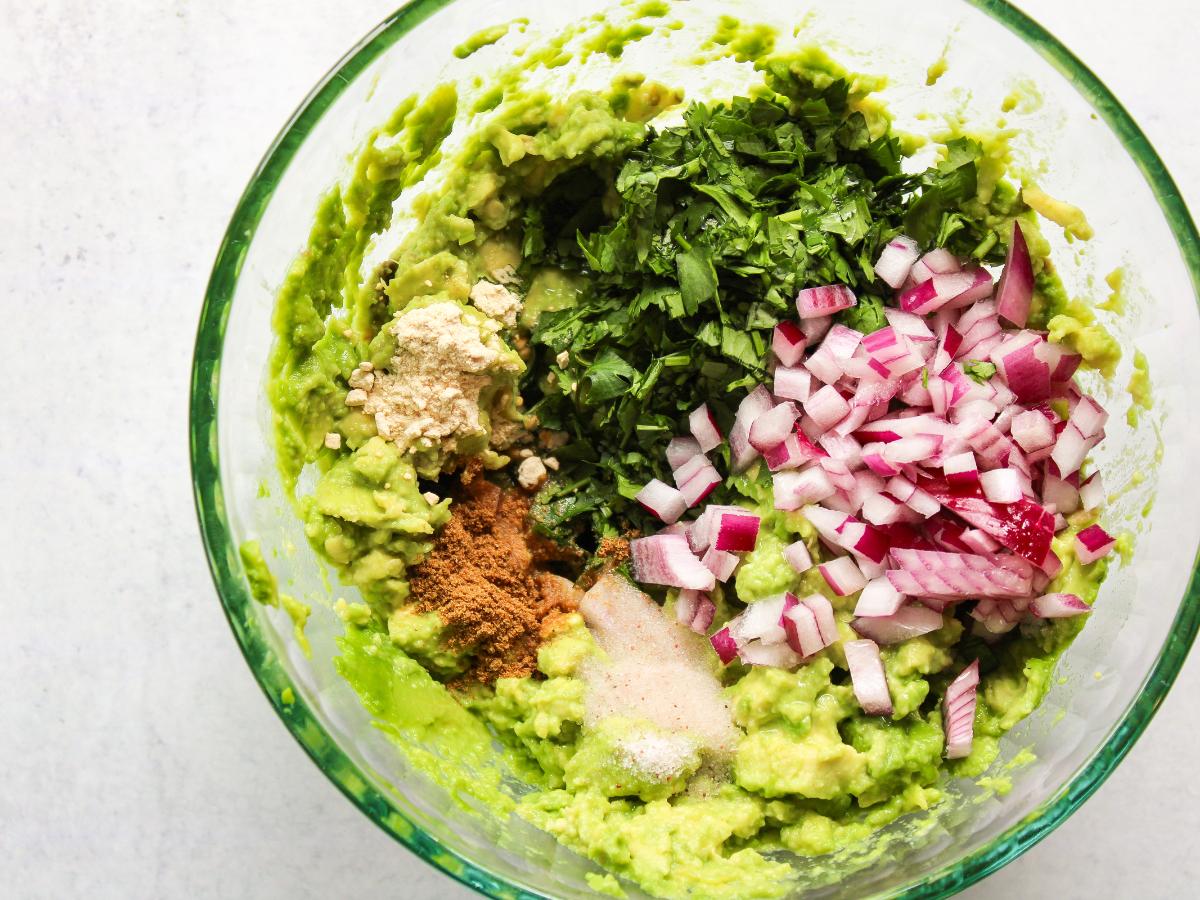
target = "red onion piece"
x: 666, y: 559
x: 772, y: 427
x: 1032, y: 431
x: 816, y: 302
x: 682, y: 449
x: 720, y: 562
x: 706, y: 611
x: 1014, y: 293
x: 1091, y: 492
x: 686, y: 604
x: 867, y: 677
x: 803, y: 632
x: 775, y: 656
x: 907, y: 622
x: 798, y: 557
x: 938, y: 261
x: 1019, y: 365
x: 700, y: 485
x: 793, y: 383
x: 1024, y: 527
x: 961, y: 470
x: 736, y: 532
x: 896, y: 260
x: 958, y: 576
x: 762, y: 621
x: 1058, y: 606
x: 826, y: 407
x: 690, y: 467
x: 1060, y: 494
x: 757, y: 402
x: 1092, y: 544
x: 958, y: 710
x: 842, y: 576
x: 662, y: 500
x: 878, y: 598
x: 913, y: 326
x: 704, y: 428
x: 793, y: 490
x: 724, y: 644
x: 788, y: 343
x: 822, y: 611
x: 1001, y: 485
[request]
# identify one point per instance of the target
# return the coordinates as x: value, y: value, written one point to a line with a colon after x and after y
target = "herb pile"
x: 692, y: 252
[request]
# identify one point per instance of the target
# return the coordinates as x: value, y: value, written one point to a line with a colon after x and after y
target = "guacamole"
x: 545, y: 325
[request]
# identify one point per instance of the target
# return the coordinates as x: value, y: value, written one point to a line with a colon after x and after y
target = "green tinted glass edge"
x: 236, y: 600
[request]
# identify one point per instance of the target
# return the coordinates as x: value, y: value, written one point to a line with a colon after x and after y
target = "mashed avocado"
x: 810, y: 773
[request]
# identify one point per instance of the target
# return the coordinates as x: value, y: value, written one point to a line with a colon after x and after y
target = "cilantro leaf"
x: 980, y: 370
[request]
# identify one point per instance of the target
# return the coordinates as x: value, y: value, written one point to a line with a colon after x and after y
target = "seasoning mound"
x: 485, y: 578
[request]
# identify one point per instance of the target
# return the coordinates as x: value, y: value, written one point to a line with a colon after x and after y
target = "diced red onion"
x: 686, y: 470
x: 878, y: 598
x: 1091, y: 492
x: 958, y: 576
x: 788, y: 343
x: 775, y: 656
x: 686, y: 604
x: 724, y: 644
x: 826, y: 407
x: 720, y: 562
x: 762, y: 621
x: 1026, y: 528
x: 842, y: 575
x: 839, y: 473
x: 793, y: 490
x: 1014, y: 293
x: 682, y: 449
x: 757, y: 402
x: 803, y: 632
x: 1032, y: 431
x: 736, y: 532
x: 704, y: 428
x: 1089, y: 417
x: 798, y: 557
x: 908, y: 324
x: 867, y: 677
x: 772, y: 427
x: 662, y: 500
x: 979, y: 541
x: 1093, y: 543
x: 884, y: 509
x: 706, y: 611
x: 666, y: 559
x: 1001, y: 485
x: 1018, y: 364
x: 1070, y: 450
x: 958, y: 712
x: 815, y: 302
x: 1061, y: 494
x: 907, y: 622
x: 1058, y: 606
x: 961, y: 470
x: 896, y: 260
x: 913, y: 449
x: 793, y: 383
x: 700, y: 485
x: 938, y: 261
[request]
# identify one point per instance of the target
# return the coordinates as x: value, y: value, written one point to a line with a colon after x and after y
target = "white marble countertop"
x: 137, y: 755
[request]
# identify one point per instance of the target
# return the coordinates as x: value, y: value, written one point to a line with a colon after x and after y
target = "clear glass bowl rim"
x: 236, y: 600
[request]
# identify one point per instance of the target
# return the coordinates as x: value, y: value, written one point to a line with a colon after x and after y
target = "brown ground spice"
x: 486, y: 580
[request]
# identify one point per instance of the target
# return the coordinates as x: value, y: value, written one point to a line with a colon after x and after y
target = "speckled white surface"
x: 137, y: 756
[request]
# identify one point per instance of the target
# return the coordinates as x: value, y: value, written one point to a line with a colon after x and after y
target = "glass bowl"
x: 1078, y: 142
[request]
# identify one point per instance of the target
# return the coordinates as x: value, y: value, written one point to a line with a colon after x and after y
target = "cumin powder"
x: 483, y: 578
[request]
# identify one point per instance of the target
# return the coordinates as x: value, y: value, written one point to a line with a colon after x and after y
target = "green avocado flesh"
x: 559, y: 192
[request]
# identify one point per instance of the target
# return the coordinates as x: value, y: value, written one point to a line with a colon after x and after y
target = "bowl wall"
x: 1078, y: 145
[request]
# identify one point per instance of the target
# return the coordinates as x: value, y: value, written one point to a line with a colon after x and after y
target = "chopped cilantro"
x: 979, y: 370
x: 705, y: 235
